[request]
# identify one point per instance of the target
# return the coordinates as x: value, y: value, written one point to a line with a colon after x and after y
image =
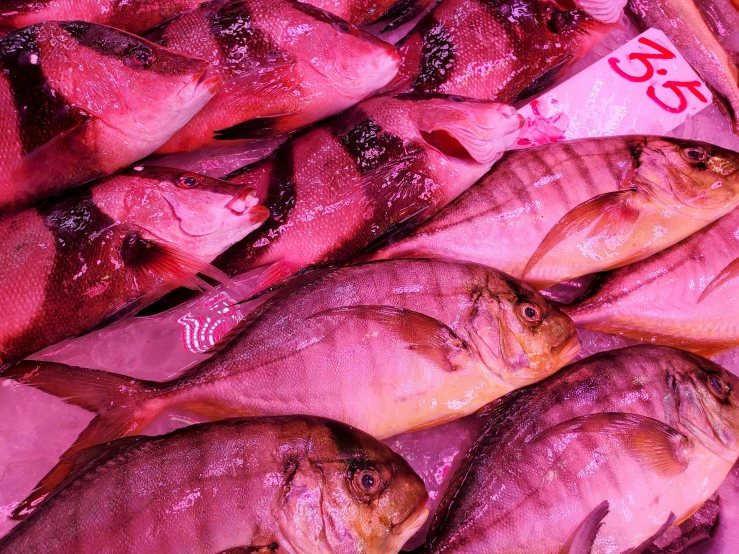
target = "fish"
x: 387, y: 347
x: 70, y: 264
x: 607, y: 11
x: 340, y: 186
x: 234, y: 486
x: 284, y: 64
x: 683, y: 297
x: 134, y: 16
x: 560, y: 211
x: 722, y: 17
x: 389, y: 14
x: 79, y: 101
x: 601, y: 457
x: 502, y: 50
x: 683, y: 24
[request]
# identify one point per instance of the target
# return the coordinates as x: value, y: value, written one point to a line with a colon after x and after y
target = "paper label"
x: 644, y: 87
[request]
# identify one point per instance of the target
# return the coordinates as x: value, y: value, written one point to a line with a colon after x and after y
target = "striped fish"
x: 80, y: 101
x: 277, y: 77
x: 564, y: 210
x: 242, y: 486
x: 601, y: 458
x: 494, y: 49
x: 389, y: 14
x: 67, y: 265
x: 338, y: 187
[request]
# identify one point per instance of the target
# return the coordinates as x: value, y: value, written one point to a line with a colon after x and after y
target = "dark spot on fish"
x: 561, y: 22
x: 347, y: 441
x: 280, y: 201
x: 400, y: 13
x: 83, y: 284
x: 437, y: 57
x: 43, y: 113
x: 369, y: 146
x: 243, y: 44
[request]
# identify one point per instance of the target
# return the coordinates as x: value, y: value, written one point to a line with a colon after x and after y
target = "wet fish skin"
x: 543, y: 463
x: 277, y: 77
x: 134, y: 16
x: 80, y: 101
x: 69, y: 264
x: 391, y: 13
x: 493, y: 49
x: 246, y: 485
x: 387, y: 346
x: 722, y: 16
x: 683, y: 24
x: 560, y: 211
x: 349, y: 181
x: 682, y: 297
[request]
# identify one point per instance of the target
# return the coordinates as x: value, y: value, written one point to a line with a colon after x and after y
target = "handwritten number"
x: 644, y: 57
x: 675, y: 87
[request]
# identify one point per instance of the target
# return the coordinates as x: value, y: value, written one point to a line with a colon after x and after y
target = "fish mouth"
x: 569, y: 350
x: 413, y: 521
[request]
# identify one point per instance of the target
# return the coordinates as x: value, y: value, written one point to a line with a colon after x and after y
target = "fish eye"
x: 718, y: 386
x: 529, y: 312
x: 188, y: 180
x: 366, y: 481
x: 696, y: 154
x: 140, y: 57
x: 344, y: 27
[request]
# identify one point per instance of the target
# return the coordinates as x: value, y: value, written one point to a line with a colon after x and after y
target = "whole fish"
x: 600, y: 458
x: 80, y: 101
x: 685, y: 296
x: 285, y: 65
x: 292, y: 484
x: 135, y: 16
x: 338, y: 187
x: 69, y: 264
x: 683, y: 24
x: 722, y: 17
x: 564, y: 210
x: 391, y: 14
x: 499, y: 50
x: 387, y: 347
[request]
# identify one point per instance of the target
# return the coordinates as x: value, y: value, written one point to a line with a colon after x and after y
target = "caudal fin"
x: 119, y: 401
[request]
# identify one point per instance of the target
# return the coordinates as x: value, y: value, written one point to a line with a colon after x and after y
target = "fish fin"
x: 656, y: 445
x: 729, y: 273
x: 584, y: 537
x: 545, y: 80
x: 397, y: 231
x: 259, y: 127
x: 115, y: 398
x: 648, y: 542
x: 275, y: 274
x: 611, y: 214
x: 428, y: 336
x: 400, y: 13
x: 152, y: 260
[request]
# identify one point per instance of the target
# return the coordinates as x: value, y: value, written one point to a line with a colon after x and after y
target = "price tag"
x: 644, y: 87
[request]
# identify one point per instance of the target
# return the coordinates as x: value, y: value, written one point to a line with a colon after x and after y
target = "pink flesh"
x: 35, y: 428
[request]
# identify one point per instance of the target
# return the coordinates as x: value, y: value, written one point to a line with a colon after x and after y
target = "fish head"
x: 460, y: 128
x: 200, y: 214
x: 695, y: 178
x: 573, y: 29
x: 515, y: 327
x: 370, y: 499
x: 352, y: 60
x: 140, y: 89
x: 706, y: 403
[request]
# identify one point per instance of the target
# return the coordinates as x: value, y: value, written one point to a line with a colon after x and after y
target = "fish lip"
x: 414, y: 520
x: 569, y: 349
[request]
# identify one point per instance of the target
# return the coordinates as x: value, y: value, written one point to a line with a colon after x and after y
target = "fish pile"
x: 398, y: 265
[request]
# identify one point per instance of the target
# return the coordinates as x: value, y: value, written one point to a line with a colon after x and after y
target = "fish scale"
x: 246, y: 485
x: 532, y: 478
x: 542, y: 214
x: 493, y: 49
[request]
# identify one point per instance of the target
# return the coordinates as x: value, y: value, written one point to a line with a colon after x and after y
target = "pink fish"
x: 285, y: 65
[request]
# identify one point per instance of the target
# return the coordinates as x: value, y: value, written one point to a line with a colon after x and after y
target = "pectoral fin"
x: 729, y: 273
x: 612, y: 216
x: 584, y: 537
x: 419, y: 332
x: 656, y: 445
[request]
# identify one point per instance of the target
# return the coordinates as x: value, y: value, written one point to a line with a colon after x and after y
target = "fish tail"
x: 120, y: 402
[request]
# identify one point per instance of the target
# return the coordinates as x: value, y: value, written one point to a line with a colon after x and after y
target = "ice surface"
x: 35, y: 428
